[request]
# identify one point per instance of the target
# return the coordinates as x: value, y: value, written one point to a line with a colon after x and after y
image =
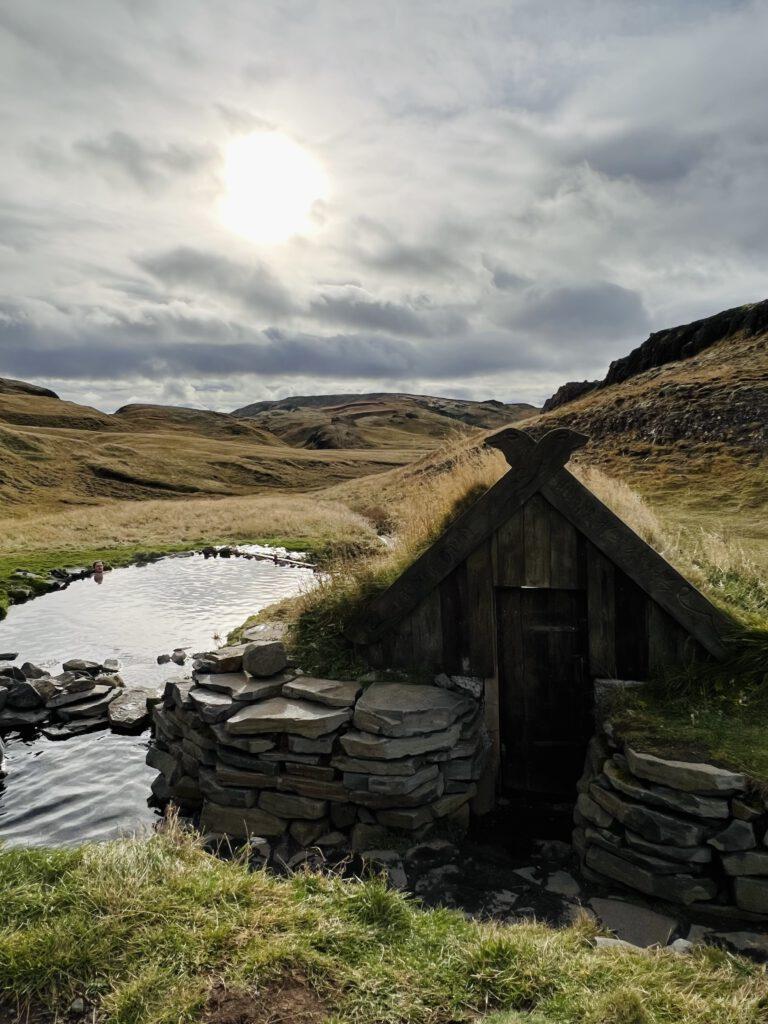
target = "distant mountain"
x: 377, y: 420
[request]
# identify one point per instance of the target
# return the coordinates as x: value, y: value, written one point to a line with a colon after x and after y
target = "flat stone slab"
x: 688, y: 776
x: 752, y: 894
x: 289, y: 805
x: 283, y: 715
x: 97, y: 703
x: 212, y: 706
x: 675, y: 800
x: 638, y: 925
x: 405, y: 709
x: 248, y: 744
x: 739, y: 835
x: 675, y: 888
x: 71, y: 690
x: 562, y: 883
x: 20, y: 719
x: 240, y: 822
x: 369, y: 766
x: 364, y: 745
x: 331, y: 692
x: 129, y: 711
x: 241, y: 687
x: 652, y: 825
x: 226, y: 659
x: 748, y: 862
x: 688, y: 855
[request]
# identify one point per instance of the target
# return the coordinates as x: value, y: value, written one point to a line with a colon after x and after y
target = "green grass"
x: 144, y: 929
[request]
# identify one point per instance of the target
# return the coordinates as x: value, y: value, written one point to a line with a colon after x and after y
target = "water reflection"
x: 96, y: 786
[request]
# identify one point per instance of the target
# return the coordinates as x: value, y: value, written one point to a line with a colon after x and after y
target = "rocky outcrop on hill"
x: 668, y: 346
x: 683, y: 342
x: 569, y: 393
x: 9, y: 386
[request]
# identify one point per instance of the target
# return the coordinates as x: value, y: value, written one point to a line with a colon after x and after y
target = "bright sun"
x: 271, y: 184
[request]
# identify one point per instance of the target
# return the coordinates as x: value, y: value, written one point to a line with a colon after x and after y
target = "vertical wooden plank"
x: 480, y: 613
x: 663, y: 640
x: 374, y: 655
x: 601, y: 615
x: 536, y: 536
x: 563, y: 552
x: 511, y: 676
x: 631, y: 628
x: 489, y: 782
x: 453, y: 605
x: 428, y: 633
x: 509, y: 562
x: 401, y: 644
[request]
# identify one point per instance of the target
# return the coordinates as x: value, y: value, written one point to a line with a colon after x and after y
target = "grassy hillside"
x: 150, y: 931
x: 378, y: 420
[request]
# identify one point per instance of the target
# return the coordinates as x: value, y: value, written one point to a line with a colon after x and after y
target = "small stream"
x: 96, y: 786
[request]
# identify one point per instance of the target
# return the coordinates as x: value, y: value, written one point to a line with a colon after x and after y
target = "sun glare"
x: 271, y: 184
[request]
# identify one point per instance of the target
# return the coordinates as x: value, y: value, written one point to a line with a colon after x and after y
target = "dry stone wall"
x: 687, y: 833
x: 259, y: 749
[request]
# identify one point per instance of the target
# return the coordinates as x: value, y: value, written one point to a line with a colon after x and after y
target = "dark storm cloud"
x: 168, y: 345
x: 599, y: 311
x: 253, y: 285
x: 356, y: 311
x: 149, y: 166
x: 651, y: 155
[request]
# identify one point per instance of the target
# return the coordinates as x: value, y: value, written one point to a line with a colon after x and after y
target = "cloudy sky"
x: 489, y: 198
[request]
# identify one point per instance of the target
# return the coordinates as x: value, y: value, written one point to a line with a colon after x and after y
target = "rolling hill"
x: 377, y: 420
x: 55, y: 453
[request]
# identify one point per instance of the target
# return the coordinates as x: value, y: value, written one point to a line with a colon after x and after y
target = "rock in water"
x: 129, y: 712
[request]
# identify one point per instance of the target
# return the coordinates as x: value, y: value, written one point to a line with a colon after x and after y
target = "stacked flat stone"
x: 86, y: 695
x: 261, y: 750
x: 680, y: 831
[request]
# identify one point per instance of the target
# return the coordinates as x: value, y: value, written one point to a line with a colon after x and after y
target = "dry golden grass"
x: 157, y: 524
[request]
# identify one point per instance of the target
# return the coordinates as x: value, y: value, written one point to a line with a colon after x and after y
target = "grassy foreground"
x: 158, y: 931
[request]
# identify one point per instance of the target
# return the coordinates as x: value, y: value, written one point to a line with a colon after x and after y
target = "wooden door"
x: 544, y: 690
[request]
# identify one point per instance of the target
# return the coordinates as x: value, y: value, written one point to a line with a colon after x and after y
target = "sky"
x: 479, y: 199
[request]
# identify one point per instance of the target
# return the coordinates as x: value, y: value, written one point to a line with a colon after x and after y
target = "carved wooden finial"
x: 522, y: 452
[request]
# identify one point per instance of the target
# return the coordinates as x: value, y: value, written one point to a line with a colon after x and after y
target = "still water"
x: 96, y: 786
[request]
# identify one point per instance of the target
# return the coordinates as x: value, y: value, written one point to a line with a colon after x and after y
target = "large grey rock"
x: 366, y: 746
x: 240, y: 822
x: 79, y: 665
x: 331, y: 692
x: 242, y: 759
x: 304, y: 745
x: 228, y: 796
x: 264, y: 658
x: 407, y: 819
x: 674, y: 888
x: 307, y: 832
x: 752, y: 943
x: 212, y: 706
x: 23, y: 695
x: 129, y: 711
x: 639, y: 925
x: 752, y: 894
x: 228, y: 775
x: 282, y: 715
x: 289, y: 805
x: 96, y: 703
x: 33, y: 671
x: 652, y: 825
x: 674, y: 800
x: 317, y: 789
x: 22, y: 719
x: 688, y: 854
x: 749, y: 862
x: 241, y: 687
x: 688, y: 776
x: 425, y: 793
x: 408, y: 709
x: 177, y: 694
x: 739, y: 835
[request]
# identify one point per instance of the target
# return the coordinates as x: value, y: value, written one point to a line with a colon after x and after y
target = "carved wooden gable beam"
x: 531, y: 465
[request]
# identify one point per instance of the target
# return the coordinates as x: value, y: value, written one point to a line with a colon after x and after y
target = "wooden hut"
x: 538, y: 589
